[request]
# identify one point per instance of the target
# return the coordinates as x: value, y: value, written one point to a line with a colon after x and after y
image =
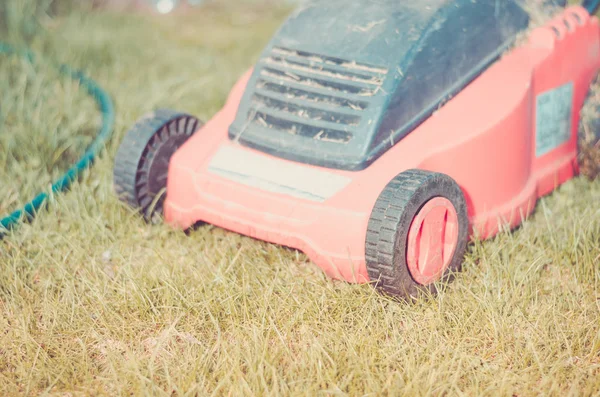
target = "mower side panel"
x: 505, y: 169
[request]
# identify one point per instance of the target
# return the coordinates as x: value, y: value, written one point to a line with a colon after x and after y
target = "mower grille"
x: 313, y: 96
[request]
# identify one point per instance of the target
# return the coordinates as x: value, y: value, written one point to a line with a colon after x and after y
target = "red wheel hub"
x: 432, y: 240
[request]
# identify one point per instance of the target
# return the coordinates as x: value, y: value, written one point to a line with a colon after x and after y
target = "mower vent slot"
x: 295, y: 126
x: 346, y: 87
x: 296, y: 66
x: 325, y: 61
x: 285, y: 92
x: 300, y: 110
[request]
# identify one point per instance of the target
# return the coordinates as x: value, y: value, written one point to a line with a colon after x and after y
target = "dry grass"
x: 95, y: 302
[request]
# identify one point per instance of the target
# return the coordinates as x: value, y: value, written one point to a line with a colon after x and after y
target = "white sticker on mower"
x: 553, y: 121
x: 266, y: 173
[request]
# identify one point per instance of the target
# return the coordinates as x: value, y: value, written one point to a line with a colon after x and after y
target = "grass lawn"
x: 93, y: 301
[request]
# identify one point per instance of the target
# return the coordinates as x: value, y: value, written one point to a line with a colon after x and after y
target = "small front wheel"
x: 417, y: 234
x: 142, y: 161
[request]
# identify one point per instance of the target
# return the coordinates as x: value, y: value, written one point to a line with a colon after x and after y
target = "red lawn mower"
x: 379, y: 136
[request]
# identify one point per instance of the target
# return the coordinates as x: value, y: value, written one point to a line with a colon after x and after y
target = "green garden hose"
x: 106, y: 107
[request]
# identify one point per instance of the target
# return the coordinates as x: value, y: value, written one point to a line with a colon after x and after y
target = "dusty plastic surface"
x: 509, y: 138
x: 344, y: 80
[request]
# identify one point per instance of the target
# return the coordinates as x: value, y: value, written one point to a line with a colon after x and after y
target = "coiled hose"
x: 106, y: 107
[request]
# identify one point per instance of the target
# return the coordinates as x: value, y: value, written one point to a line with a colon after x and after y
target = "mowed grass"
x: 96, y: 302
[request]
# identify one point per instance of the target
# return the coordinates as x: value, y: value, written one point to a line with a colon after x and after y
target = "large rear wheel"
x: 417, y: 234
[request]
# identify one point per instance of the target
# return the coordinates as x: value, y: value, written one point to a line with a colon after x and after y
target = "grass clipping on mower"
x: 540, y: 13
x: 589, y: 134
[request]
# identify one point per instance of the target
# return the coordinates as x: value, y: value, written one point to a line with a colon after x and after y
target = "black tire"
x: 388, y: 229
x: 142, y: 161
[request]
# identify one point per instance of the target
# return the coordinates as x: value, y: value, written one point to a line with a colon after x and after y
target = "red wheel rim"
x: 432, y: 240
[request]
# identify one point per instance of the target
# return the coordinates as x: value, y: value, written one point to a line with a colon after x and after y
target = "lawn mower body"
x: 308, y: 140
x: 342, y: 81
